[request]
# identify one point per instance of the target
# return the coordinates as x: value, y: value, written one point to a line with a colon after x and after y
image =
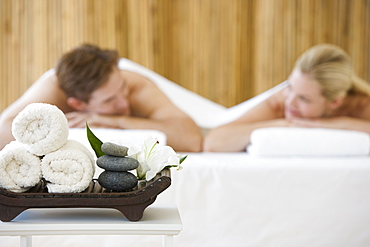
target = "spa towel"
x: 283, y: 141
x: 19, y: 169
x: 69, y: 169
x: 43, y: 128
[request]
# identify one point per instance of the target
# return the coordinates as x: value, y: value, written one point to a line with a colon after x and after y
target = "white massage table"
x: 233, y: 199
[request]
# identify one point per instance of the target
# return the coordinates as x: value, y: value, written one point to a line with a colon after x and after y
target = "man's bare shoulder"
x: 146, y: 98
x: 44, y: 90
x: 48, y: 81
x: 51, y: 92
x: 140, y: 86
x: 135, y: 79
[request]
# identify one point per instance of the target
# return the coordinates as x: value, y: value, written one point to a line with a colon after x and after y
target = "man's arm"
x: 182, y: 133
x: 44, y: 90
x: 151, y: 109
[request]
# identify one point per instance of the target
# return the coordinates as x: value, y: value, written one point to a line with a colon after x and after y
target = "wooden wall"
x: 225, y: 50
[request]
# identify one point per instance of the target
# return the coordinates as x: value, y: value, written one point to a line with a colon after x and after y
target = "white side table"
x: 164, y: 221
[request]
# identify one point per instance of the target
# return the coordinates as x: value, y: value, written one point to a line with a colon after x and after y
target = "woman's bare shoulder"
x: 276, y: 101
x: 358, y: 106
x: 270, y: 108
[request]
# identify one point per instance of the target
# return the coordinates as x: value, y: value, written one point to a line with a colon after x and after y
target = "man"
x: 88, y: 86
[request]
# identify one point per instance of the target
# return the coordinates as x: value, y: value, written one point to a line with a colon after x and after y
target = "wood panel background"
x: 225, y: 50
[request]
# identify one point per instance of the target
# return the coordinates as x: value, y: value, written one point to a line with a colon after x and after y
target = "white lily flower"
x: 153, y: 158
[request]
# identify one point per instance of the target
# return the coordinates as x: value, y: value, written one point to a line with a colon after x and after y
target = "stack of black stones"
x: 117, y: 165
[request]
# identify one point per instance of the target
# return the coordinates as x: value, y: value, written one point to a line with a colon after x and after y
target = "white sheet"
x: 233, y: 199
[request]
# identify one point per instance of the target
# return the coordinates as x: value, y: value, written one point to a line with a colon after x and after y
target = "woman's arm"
x: 234, y: 137
x: 355, y: 116
x: 343, y: 122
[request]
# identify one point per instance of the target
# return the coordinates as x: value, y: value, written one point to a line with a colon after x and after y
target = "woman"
x: 323, y: 91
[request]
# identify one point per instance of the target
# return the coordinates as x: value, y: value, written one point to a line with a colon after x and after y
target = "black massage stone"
x: 117, y: 164
x: 114, y: 149
x: 117, y: 181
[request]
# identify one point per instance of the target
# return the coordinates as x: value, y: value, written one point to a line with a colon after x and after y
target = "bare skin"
x: 300, y: 105
x: 126, y: 101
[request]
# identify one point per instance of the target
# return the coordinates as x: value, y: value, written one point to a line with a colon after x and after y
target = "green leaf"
x: 170, y: 166
x: 183, y: 158
x: 95, y: 142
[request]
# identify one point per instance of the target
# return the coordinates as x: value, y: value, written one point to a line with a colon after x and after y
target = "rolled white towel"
x: 42, y: 127
x: 69, y: 169
x: 19, y: 169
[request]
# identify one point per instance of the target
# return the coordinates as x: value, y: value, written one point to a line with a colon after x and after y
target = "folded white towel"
x: 69, y: 169
x: 42, y: 127
x: 19, y: 169
x: 278, y: 141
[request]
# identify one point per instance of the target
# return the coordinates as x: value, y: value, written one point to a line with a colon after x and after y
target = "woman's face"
x: 303, y: 97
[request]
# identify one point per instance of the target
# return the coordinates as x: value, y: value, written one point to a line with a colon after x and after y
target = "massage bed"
x: 233, y: 199
x: 275, y: 194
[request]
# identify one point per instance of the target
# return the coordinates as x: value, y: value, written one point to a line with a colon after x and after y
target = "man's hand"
x: 78, y: 119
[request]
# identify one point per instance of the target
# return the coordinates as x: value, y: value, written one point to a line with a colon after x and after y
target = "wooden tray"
x: 131, y: 204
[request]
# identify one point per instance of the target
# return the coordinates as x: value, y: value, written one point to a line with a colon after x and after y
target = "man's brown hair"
x: 82, y: 70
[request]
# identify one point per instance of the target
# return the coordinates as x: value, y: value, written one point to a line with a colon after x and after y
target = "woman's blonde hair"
x: 332, y: 68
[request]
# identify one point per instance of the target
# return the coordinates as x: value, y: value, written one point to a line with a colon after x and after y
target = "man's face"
x: 111, y: 98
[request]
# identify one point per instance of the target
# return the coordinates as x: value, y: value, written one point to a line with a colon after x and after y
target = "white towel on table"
x: 69, y: 169
x: 43, y: 128
x: 19, y: 169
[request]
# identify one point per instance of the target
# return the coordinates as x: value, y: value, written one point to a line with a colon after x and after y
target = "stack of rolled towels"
x: 42, y: 150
